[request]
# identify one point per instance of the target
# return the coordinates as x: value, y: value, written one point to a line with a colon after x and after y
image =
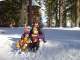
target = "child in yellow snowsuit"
x: 24, y: 41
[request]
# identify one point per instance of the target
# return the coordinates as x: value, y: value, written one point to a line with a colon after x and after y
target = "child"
x: 34, y: 33
x: 36, y: 36
x: 24, y: 41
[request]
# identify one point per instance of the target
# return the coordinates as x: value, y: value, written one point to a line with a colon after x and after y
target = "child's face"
x: 27, y: 28
x: 35, y: 30
x: 36, y: 24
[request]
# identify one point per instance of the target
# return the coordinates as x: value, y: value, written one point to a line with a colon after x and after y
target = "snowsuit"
x: 24, y: 41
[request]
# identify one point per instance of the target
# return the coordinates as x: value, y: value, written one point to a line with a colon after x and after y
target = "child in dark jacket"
x: 36, y: 35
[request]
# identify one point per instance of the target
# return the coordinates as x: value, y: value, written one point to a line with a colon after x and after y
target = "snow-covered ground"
x: 62, y: 44
x: 62, y: 28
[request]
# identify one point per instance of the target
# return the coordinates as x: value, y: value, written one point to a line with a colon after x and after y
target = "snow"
x: 1, y: 0
x: 62, y: 28
x: 62, y: 44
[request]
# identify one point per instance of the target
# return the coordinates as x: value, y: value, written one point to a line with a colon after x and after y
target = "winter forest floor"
x: 62, y: 44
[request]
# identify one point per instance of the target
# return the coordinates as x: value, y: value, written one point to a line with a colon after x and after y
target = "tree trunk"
x: 61, y: 12
x: 30, y: 13
x: 57, y: 13
x: 78, y: 13
x: 23, y: 13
